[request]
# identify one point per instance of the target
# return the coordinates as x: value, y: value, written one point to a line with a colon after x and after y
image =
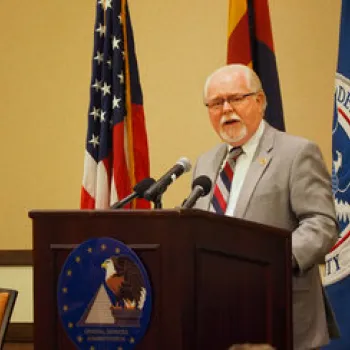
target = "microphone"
x: 139, y: 190
x: 201, y: 186
x: 182, y: 165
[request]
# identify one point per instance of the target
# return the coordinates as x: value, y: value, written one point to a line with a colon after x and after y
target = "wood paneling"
x: 20, y: 332
x: 18, y: 346
x: 16, y: 258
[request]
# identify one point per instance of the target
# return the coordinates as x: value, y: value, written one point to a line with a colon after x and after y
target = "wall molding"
x: 22, y: 257
x: 20, y: 332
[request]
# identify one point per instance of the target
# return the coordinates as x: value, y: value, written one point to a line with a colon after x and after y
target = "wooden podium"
x: 215, y: 280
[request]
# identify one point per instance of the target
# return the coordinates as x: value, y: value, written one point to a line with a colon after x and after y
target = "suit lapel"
x: 261, y: 161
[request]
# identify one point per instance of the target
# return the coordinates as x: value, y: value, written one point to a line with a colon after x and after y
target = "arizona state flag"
x: 250, y: 43
x: 337, y: 278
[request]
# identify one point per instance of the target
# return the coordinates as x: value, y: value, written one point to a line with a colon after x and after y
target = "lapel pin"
x: 263, y: 161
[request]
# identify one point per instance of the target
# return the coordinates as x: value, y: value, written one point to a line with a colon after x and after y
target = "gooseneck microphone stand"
x: 158, y: 202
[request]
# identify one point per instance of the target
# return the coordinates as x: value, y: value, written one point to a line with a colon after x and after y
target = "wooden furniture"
x: 215, y: 280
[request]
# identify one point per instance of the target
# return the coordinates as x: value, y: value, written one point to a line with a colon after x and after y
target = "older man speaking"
x: 270, y: 177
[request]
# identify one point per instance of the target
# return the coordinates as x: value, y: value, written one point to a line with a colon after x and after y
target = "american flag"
x: 116, y: 155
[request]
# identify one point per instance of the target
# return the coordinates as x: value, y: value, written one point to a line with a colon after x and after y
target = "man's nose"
x: 226, y: 107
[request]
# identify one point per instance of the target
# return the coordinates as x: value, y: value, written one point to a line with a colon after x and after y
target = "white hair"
x: 251, y: 78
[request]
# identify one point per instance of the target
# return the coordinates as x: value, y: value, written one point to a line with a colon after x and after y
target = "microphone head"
x: 141, y: 187
x: 185, y: 163
x: 204, y: 182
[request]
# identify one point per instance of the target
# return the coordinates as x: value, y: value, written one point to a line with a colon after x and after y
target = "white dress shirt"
x: 241, y: 168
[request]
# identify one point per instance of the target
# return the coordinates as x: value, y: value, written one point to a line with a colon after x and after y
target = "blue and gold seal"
x: 104, y: 296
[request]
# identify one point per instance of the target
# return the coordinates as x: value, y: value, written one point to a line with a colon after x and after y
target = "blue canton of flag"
x: 337, y: 278
x: 116, y: 154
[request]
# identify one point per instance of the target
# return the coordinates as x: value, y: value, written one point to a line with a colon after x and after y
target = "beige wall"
x: 21, y: 279
x: 45, y: 55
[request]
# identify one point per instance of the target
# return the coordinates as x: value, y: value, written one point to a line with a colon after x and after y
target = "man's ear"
x: 261, y: 98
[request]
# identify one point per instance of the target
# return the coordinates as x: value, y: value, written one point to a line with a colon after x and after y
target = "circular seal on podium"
x: 104, y: 296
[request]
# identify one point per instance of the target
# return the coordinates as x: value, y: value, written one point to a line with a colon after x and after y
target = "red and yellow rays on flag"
x: 250, y: 43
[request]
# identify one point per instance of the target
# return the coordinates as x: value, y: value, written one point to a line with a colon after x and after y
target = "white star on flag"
x: 121, y: 78
x: 95, y: 113
x: 94, y: 140
x: 116, y: 102
x: 97, y: 85
x: 102, y: 117
x: 105, y: 4
x: 115, y: 43
x: 99, y: 57
x: 108, y: 4
x: 101, y: 29
x: 106, y: 89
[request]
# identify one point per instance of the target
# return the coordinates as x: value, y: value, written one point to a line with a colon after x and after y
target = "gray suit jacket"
x: 288, y: 186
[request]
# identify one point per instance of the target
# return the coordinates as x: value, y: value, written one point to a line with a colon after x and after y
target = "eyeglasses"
x: 232, y: 100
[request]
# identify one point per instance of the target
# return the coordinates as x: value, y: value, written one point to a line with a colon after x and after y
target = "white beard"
x: 227, y: 138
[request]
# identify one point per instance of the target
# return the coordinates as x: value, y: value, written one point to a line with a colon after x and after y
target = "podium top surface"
x: 164, y: 213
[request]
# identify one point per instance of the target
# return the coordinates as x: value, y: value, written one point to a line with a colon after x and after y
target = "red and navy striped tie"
x: 223, y: 183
